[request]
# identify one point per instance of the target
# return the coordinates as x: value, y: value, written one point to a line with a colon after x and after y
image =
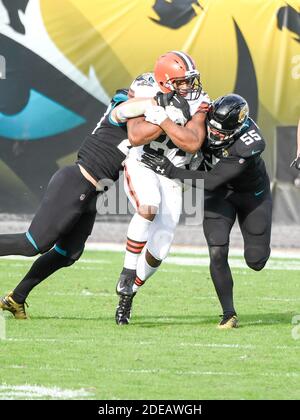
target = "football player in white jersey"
x: 157, y: 199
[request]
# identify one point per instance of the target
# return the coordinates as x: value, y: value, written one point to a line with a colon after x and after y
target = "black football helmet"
x: 225, y: 119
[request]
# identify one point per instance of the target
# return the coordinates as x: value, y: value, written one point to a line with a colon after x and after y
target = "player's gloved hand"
x: 196, y: 162
x: 296, y: 163
x: 164, y: 99
x: 176, y: 115
x: 159, y: 164
x: 155, y: 114
x: 173, y: 99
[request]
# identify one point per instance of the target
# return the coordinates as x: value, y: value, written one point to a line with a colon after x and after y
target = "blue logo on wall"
x: 42, y: 117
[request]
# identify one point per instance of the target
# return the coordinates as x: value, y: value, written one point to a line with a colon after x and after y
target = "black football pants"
x: 254, y: 213
x: 64, y: 219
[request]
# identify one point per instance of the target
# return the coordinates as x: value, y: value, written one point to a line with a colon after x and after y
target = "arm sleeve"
x: 224, y: 171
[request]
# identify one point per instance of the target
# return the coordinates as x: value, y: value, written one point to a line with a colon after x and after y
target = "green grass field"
x: 71, y: 347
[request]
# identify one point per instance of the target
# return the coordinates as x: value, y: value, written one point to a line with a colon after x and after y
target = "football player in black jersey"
x: 236, y: 185
x: 298, y: 142
x: 67, y: 212
x: 296, y: 161
x: 66, y: 215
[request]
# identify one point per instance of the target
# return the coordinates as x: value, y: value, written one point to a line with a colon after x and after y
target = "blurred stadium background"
x: 60, y: 62
x: 63, y: 59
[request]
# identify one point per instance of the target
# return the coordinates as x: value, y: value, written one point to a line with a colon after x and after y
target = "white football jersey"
x: 146, y: 86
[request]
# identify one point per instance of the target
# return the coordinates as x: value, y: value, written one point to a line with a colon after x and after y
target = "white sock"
x: 137, y: 236
x: 143, y: 272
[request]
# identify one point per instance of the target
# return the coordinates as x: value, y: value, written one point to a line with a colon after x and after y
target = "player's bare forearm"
x: 141, y: 132
x: 188, y: 138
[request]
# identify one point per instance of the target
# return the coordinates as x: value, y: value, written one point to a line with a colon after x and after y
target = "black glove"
x: 296, y: 163
x: 164, y: 99
x: 174, y: 99
x: 159, y: 164
x: 197, y: 162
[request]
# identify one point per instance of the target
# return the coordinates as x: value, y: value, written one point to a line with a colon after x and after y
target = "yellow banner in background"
x: 67, y: 58
x: 251, y: 47
x: 123, y: 38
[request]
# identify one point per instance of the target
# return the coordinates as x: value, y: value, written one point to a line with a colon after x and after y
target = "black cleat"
x: 124, y: 290
x: 123, y: 312
x: 125, y: 283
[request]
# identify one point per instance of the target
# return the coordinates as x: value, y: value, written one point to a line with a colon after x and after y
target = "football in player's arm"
x: 236, y: 185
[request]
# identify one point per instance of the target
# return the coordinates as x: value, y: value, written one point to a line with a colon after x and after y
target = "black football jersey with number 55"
x: 248, y: 146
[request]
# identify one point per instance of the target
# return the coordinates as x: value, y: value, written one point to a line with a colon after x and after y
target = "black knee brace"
x: 257, y: 257
x: 67, y: 259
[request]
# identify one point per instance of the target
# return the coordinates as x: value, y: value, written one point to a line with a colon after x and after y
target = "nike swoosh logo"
x: 255, y: 151
x: 258, y: 193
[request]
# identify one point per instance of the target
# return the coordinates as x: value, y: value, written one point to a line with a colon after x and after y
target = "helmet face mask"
x: 176, y: 71
x: 225, y: 119
x: 189, y: 87
x: 219, y: 138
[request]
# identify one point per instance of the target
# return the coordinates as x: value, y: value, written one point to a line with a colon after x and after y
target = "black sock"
x: 222, y: 278
x: 43, y: 267
x: 16, y: 244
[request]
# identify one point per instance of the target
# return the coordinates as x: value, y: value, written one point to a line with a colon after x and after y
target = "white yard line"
x: 47, y: 340
x: 192, y: 250
x: 198, y: 372
x: 88, y: 293
x: 272, y: 264
x: 47, y: 368
x: 35, y: 391
x: 235, y: 346
x: 183, y: 344
x: 289, y: 253
x: 234, y: 263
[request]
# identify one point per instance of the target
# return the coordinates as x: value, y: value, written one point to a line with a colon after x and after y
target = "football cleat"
x: 17, y: 309
x: 228, y: 322
x: 125, y: 283
x: 123, y: 312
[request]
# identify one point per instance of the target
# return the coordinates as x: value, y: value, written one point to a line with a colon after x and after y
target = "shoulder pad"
x: 144, y: 86
x: 249, y: 141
